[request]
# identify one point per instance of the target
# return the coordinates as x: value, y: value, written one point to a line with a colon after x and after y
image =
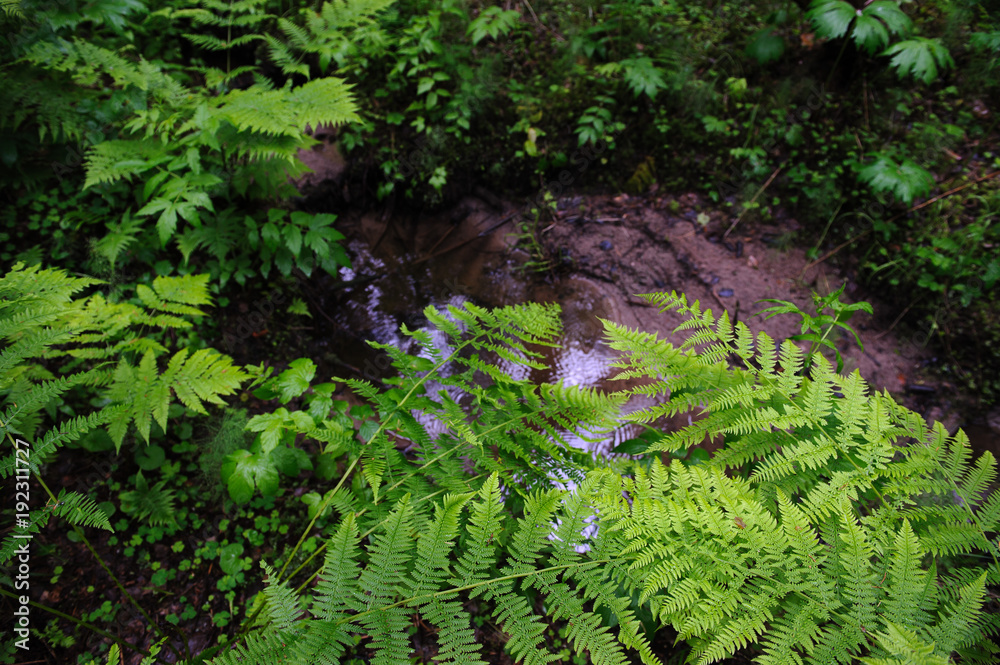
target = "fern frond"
x: 81, y: 510
x: 283, y: 607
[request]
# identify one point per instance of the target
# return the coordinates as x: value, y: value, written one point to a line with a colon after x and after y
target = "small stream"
x: 405, y: 262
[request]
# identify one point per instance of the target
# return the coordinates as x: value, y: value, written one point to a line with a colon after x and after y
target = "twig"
x: 468, y: 240
x: 381, y: 235
x: 894, y: 218
x: 893, y: 325
x: 759, y: 192
x: 443, y: 237
x: 724, y: 308
x: 948, y: 193
x: 834, y: 251
x: 872, y: 358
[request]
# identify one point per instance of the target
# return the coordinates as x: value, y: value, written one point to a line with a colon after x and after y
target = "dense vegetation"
x: 153, y: 148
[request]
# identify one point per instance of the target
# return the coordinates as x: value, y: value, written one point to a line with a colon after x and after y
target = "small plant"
x: 905, y: 179
x: 816, y: 328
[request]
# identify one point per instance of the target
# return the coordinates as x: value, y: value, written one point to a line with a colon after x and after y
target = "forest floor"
x: 594, y: 254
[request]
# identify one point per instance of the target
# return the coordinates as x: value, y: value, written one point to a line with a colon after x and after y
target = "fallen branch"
x: 745, y: 208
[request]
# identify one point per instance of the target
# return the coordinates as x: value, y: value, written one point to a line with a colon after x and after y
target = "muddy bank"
x: 602, y: 252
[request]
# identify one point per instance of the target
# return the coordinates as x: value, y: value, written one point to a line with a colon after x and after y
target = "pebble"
x: 725, y: 293
x: 606, y: 245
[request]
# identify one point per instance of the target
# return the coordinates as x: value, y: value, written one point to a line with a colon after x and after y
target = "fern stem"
x: 80, y: 622
x: 476, y: 585
x: 114, y: 578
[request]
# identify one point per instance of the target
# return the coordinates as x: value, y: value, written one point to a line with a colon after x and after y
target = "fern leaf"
x: 381, y: 580
x: 283, y: 607
x: 82, y: 510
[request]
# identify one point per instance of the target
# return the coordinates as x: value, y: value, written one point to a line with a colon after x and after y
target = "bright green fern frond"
x: 382, y: 579
x: 283, y: 607
x: 81, y: 510
x: 905, y: 646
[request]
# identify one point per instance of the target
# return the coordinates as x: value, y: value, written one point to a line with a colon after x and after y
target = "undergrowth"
x: 833, y: 525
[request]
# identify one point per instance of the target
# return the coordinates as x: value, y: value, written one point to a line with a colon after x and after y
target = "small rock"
x: 725, y: 293
x: 606, y: 245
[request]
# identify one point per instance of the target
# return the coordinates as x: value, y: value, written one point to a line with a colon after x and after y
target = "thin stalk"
x: 100, y: 561
x: 79, y: 622
x: 836, y: 62
x: 79, y: 532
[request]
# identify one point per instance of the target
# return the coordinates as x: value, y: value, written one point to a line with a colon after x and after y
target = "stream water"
x: 404, y: 262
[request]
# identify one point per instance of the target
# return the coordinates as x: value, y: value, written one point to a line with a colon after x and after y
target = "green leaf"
x: 889, y: 13
x: 271, y: 236
x: 870, y: 33
x: 906, y: 179
x: 766, y: 46
x: 230, y: 558
x: 919, y: 57
x: 831, y: 18
x: 285, y: 460
x: 295, y: 380
x: 293, y: 240
x: 643, y: 76
x: 150, y: 458
x: 244, y: 470
x: 425, y: 84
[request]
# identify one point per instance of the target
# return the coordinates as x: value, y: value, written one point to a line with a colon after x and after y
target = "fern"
x: 331, y: 34
x: 826, y: 530
x: 44, y: 317
x: 406, y: 575
x: 791, y: 437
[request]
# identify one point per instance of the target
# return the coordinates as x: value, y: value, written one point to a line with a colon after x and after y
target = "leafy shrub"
x: 196, y: 156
